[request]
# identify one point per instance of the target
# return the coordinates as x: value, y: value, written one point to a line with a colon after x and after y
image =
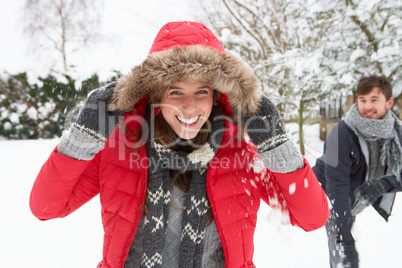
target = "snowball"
x: 306, y: 183
x: 257, y: 165
x: 292, y: 188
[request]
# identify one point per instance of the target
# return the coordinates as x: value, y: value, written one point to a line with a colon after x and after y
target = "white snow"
x: 357, y: 54
x: 14, y: 118
x: 76, y: 241
x: 306, y: 183
x: 292, y: 188
x: 32, y: 113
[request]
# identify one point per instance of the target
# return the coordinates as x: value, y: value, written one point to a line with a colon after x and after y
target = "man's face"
x: 373, y: 105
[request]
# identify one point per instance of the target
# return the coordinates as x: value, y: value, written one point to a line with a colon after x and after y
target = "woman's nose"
x: 189, y: 104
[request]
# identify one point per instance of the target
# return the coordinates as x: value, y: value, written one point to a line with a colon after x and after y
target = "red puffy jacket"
x: 236, y: 180
x: 235, y: 184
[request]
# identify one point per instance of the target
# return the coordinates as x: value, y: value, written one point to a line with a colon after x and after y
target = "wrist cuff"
x: 78, y: 145
x: 283, y: 159
x: 386, y: 185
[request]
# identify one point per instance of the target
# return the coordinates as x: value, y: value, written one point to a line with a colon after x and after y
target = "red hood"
x: 185, y: 33
x: 188, y: 52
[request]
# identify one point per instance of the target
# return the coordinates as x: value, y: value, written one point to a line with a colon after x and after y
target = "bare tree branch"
x: 62, y: 25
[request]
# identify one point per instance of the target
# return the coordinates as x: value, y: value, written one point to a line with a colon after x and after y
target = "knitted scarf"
x: 388, y: 129
x: 161, y: 161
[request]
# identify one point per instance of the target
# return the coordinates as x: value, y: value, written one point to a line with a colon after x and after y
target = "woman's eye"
x: 175, y: 93
x: 202, y: 92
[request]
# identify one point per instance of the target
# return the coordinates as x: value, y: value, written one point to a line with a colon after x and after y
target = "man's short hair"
x: 366, y: 84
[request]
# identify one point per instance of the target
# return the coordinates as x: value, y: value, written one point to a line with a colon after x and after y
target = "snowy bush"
x: 39, y: 110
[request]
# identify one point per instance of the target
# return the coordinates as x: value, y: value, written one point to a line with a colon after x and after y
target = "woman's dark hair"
x: 366, y: 84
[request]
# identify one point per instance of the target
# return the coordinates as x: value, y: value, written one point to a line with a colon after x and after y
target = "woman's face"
x: 187, y: 107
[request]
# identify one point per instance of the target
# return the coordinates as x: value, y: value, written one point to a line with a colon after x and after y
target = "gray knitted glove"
x: 267, y: 131
x: 94, y: 125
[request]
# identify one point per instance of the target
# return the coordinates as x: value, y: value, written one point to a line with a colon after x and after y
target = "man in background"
x: 361, y: 165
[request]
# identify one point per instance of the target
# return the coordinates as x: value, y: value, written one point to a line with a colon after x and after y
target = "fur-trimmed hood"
x: 175, y: 57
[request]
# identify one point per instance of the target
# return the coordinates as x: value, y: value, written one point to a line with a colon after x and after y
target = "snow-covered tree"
x: 366, y: 39
x: 309, y: 51
x: 283, y: 41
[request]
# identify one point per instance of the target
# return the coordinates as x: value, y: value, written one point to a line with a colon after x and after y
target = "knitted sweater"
x: 212, y: 253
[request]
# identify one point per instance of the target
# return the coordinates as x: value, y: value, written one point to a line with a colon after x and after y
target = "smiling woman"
x: 180, y: 198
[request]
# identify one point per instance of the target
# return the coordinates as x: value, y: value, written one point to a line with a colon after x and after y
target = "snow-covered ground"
x: 76, y: 241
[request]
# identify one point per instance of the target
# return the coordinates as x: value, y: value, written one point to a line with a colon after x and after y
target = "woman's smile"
x: 188, y: 121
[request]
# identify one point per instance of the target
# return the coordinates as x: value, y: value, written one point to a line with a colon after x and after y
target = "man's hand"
x: 368, y: 192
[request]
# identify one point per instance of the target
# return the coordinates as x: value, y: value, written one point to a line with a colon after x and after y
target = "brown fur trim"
x: 160, y: 70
